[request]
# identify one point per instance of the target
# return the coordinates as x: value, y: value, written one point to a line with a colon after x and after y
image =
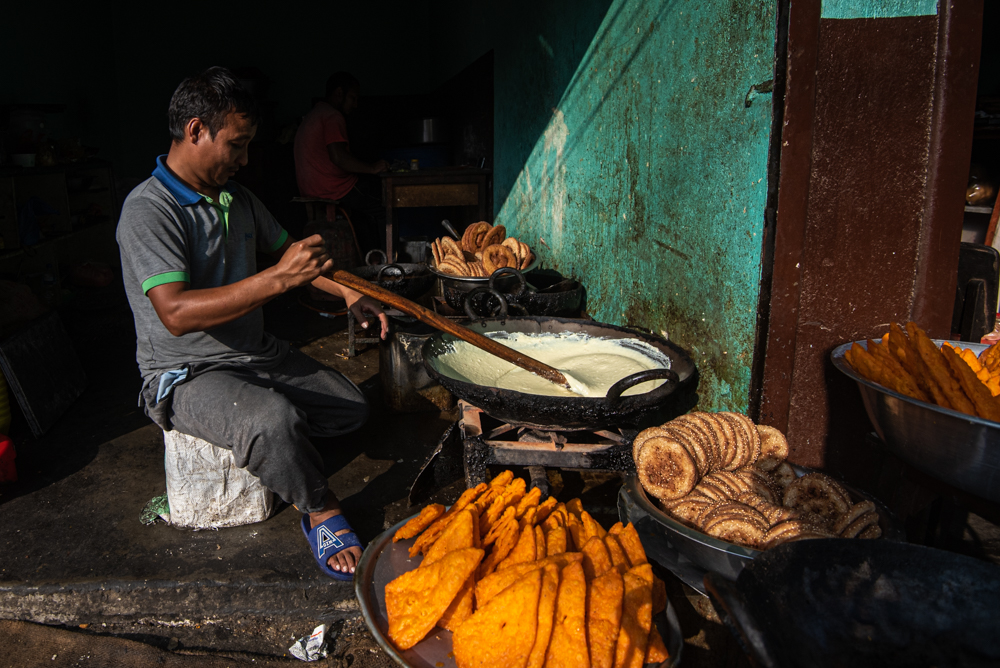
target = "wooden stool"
x: 205, y: 488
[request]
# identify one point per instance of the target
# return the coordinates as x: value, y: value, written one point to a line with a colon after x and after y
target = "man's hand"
x: 303, y: 262
x: 379, y: 166
x: 363, y: 307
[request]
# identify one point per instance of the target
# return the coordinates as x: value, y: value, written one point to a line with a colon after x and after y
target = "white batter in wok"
x: 595, y: 363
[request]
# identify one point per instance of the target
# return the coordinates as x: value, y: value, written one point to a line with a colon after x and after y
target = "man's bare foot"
x: 347, y: 559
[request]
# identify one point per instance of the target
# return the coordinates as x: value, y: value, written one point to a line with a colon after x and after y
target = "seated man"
x: 189, y: 238
x: 325, y: 167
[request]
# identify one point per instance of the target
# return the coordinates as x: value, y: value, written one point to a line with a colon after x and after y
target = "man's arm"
x: 341, y: 156
x: 361, y: 305
x: 183, y: 310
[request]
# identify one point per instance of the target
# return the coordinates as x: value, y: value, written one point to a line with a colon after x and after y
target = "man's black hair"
x: 210, y: 96
x: 342, y: 80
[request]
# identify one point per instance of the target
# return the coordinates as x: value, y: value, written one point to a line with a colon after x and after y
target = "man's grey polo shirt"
x: 170, y: 233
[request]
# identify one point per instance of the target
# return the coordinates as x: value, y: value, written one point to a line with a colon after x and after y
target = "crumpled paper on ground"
x: 311, y: 647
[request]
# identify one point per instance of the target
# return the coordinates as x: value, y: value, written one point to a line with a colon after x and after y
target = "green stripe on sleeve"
x: 279, y: 243
x: 169, y: 277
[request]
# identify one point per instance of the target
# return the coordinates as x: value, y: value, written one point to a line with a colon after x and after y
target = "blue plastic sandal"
x: 325, y: 542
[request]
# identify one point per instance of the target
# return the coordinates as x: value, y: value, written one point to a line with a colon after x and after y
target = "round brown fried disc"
x: 729, y: 448
x: 710, y: 491
x: 873, y: 531
x: 711, y: 438
x: 495, y: 235
x: 666, y: 469
x: 783, y: 475
x: 751, y: 429
x: 818, y: 494
x: 723, y: 440
x: 688, y: 510
x: 854, y: 512
x: 738, y: 531
x: 734, y: 509
x: 449, y: 247
x: 643, y: 436
x: 859, y: 525
x: 744, y: 446
x: 716, y: 437
x: 693, y: 440
x: 723, y: 484
x: 773, y: 447
x: 473, y: 236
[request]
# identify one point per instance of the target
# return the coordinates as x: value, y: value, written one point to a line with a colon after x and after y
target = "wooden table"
x: 432, y: 187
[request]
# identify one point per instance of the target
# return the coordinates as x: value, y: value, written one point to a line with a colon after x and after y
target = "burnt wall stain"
x: 649, y: 181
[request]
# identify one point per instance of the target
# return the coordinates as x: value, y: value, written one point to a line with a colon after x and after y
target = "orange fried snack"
x: 461, y: 606
x: 629, y: 539
x: 514, y: 492
x: 939, y: 370
x: 496, y: 582
x: 985, y: 405
x: 637, y: 618
x: 503, y: 479
x: 915, y: 364
x: 604, y: 616
x: 591, y: 527
x: 416, y: 600
x: 505, y: 543
x: 575, y: 529
x: 659, y: 595
x: 555, y: 540
x: 529, y: 500
x: 596, y: 559
x: 528, y: 518
x: 502, y: 632
x: 456, y: 536
x: 546, y: 616
x: 877, y: 370
x: 575, y: 506
x: 545, y: 509
x: 433, y: 532
x: 568, y: 646
x: 524, y: 551
x: 618, y: 558
x: 878, y: 364
x: 502, y: 524
x: 656, y: 650
x: 419, y: 523
x: 540, y: 548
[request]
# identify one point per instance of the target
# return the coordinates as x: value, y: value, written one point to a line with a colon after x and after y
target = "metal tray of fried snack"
x: 689, y: 553
x: 384, y: 561
x: 961, y: 450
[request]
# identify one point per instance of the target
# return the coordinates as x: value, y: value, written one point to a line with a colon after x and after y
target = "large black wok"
x: 862, y: 603
x: 567, y: 413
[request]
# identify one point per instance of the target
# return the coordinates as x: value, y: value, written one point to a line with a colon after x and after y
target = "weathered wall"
x: 648, y: 182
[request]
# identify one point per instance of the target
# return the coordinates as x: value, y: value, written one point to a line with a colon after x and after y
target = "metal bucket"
x: 406, y: 385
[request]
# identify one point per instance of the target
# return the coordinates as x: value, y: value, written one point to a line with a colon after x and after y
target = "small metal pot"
x: 404, y: 279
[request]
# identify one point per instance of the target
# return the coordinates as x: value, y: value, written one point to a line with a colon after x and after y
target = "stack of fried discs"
x: 482, y: 250
x: 726, y: 476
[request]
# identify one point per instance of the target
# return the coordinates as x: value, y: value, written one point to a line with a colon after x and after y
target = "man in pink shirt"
x: 326, y: 168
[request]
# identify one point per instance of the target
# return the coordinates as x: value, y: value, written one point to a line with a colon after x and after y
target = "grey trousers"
x: 266, y: 417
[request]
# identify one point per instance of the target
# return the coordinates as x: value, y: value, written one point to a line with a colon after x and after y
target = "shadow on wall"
x: 647, y: 180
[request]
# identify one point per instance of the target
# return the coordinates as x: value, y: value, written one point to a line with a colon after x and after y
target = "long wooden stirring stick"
x: 445, y: 325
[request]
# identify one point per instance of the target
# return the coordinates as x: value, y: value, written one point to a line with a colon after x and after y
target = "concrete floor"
x: 75, y: 555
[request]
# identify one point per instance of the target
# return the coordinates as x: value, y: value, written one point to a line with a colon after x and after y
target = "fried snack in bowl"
x: 416, y: 600
x: 503, y: 631
x: 419, y: 523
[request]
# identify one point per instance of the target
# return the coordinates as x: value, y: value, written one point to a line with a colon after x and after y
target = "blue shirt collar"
x: 184, y: 195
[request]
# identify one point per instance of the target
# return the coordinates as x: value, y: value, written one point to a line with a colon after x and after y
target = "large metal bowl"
x: 384, y: 560
x: 690, y: 554
x: 959, y: 449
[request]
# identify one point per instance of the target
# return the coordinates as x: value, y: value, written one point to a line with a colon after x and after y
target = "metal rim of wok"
x: 565, y: 413
x: 959, y: 449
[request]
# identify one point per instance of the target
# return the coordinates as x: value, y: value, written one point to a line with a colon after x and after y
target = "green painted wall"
x: 648, y: 181
x: 877, y: 9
